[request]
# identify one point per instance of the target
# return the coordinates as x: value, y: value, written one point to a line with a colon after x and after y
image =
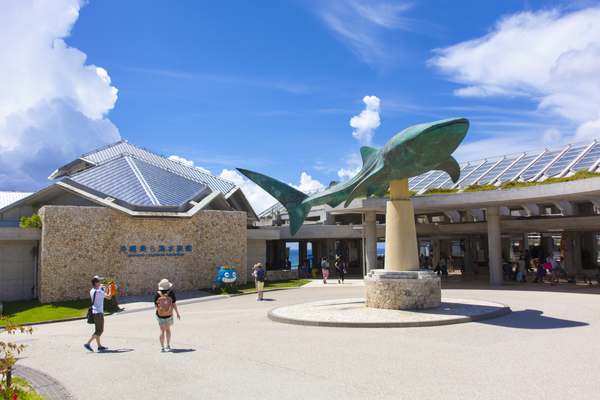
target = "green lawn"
x: 249, y: 287
x: 22, y: 312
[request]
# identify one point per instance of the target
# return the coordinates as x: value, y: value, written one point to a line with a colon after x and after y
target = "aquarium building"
x: 128, y: 213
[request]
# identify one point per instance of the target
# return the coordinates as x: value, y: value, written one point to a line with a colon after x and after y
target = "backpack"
x: 261, y: 277
x: 165, y: 304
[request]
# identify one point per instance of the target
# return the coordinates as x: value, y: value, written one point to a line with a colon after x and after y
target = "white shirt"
x: 98, y: 306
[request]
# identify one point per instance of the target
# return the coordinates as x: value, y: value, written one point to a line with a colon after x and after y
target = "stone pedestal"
x: 403, y: 290
x: 401, y: 285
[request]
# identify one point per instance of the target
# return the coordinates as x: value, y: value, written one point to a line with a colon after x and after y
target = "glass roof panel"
x: 475, y: 176
x: 443, y: 178
x: 517, y: 167
x: 565, y: 160
x: 540, y: 164
x: 491, y: 174
x: 447, y: 183
x: 427, y: 181
x: 588, y: 160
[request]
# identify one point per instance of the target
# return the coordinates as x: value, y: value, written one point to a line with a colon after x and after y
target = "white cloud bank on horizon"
x: 550, y: 57
x: 53, y: 106
x: 188, y: 163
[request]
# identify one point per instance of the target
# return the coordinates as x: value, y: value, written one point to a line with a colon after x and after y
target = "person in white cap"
x: 98, y: 296
x: 164, y: 301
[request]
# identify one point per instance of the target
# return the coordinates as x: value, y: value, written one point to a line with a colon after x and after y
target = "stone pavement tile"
x: 43, y: 384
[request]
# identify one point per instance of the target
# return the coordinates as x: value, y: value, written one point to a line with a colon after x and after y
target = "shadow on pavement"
x: 532, y: 319
x: 113, y: 351
x: 181, y: 350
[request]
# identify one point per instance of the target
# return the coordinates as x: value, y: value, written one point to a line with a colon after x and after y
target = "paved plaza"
x: 227, y: 347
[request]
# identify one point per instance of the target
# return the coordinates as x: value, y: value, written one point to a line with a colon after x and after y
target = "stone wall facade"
x: 282, y: 274
x: 402, y: 290
x: 80, y: 242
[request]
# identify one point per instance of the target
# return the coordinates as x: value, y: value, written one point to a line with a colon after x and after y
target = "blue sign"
x: 156, y: 251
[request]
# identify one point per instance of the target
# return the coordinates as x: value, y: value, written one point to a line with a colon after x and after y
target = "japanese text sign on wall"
x: 155, y: 251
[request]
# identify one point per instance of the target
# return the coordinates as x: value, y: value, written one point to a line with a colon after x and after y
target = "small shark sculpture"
x: 412, y: 152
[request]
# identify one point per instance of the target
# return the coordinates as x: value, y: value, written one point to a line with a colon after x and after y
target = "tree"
x: 8, y: 350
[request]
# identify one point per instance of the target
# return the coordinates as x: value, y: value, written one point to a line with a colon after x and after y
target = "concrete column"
x: 468, y: 259
x: 371, y: 240
x: 302, y: 253
x: 436, y: 256
x: 494, y: 245
x: 506, y: 249
x: 401, y: 251
x: 330, y: 250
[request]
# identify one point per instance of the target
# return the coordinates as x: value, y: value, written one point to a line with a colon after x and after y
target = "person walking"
x: 259, y: 279
x: 305, y: 273
x: 450, y: 264
x: 325, y: 269
x: 444, y: 266
x: 340, y: 265
x: 522, y: 269
x: 97, y: 295
x: 556, y: 270
x: 164, y: 301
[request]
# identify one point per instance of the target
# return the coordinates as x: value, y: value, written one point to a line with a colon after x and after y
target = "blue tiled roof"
x: 10, y: 196
x: 123, y: 147
x: 138, y: 182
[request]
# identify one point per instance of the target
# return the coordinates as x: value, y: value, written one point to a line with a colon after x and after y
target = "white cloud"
x: 347, y: 174
x: 182, y: 160
x: 368, y: 120
x: 360, y: 23
x: 491, y: 147
x: 53, y: 107
x: 551, y: 136
x: 307, y: 183
x: 550, y: 57
x: 189, y: 163
x: 258, y: 198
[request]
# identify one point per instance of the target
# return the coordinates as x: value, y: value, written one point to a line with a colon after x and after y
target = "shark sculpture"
x: 412, y: 152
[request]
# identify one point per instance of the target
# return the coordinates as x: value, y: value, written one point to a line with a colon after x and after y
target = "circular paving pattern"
x: 352, y: 313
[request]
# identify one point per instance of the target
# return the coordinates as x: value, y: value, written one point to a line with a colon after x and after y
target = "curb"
x: 342, y: 324
x: 43, y: 384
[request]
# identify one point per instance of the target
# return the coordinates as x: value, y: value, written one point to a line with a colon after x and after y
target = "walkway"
x: 229, y: 348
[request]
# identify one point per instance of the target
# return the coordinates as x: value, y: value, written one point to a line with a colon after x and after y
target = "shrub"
x: 8, y: 351
x: 583, y: 174
x: 479, y: 188
x: 32, y: 222
x: 440, y: 191
x: 515, y: 184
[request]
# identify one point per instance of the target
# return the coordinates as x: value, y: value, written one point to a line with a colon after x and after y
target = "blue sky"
x: 290, y: 89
